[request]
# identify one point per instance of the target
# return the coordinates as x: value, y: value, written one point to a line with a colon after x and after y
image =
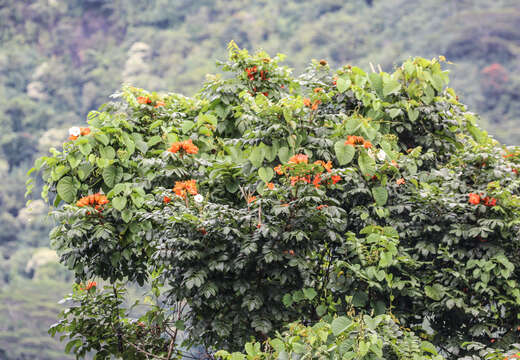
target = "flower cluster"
x: 98, y: 200
x: 475, y: 199
x: 144, y: 100
x: 313, y: 105
x: 353, y: 140
x: 186, y: 146
x: 89, y: 286
x: 252, y: 71
x: 75, y: 132
x: 147, y: 101
x: 306, y: 174
x: 182, y: 188
x: 299, y: 159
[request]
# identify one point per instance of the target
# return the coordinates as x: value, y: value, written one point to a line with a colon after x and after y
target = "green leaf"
x: 85, y: 149
x: 257, y: 156
x: 309, y: 293
x: 119, y: 202
x: 66, y: 189
x: 435, y: 292
x: 266, y: 174
x: 187, y: 126
x: 107, y: 152
x: 366, y: 164
x: 377, y: 83
x: 394, y: 113
x: 126, y: 215
x: 74, y: 159
x: 380, y: 195
x: 344, y: 153
x: 321, y: 310
x: 343, y: 84
x: 154, y: 140
x: 391, y: 86
x: 413, y: 114
x: 179, y: 324
x: 340, y: 325
x: 277, y: 345
x: 102, y: 138
x: 428, y: 347
x: 112, y: 175
x: 283, y: 154
x: 237, y: 356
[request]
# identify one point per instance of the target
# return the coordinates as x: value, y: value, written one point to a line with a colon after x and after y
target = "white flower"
x: 198, y: 198
x: 381, y: 155
x: 74, y: 131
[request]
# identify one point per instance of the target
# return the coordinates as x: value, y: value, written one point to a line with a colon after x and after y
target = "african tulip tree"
x: 267, y: 199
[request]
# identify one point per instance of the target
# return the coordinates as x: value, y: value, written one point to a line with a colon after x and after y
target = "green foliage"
x: 362, y: 337
x: 368, y: 210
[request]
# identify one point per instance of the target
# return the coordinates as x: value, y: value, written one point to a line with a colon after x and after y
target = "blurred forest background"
x: 61, y: 58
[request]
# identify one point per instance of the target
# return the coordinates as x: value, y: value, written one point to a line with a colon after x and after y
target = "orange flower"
x: 182, y: 188
x: 515, y: 171
x: 251, y: 73
x: 315, y: 105
x: 307, y: 102
x: 265, y: 93
x: 355, y: 140
x: 186, y: 145
x: 143, y: 100
x: 85, y: 131
x: 326, y: 165
x: 400, y: 181
x: 72, y: 137
x: 270, y: 186
x: 159, y: 103
x: 335, y: 178
x: 489, y: 201
x: 394, y: 163
x: 474, y: 199
x: 284, y: 205
x: 166, y: 199
x: 95, y: 199
x: 318, y: 89
x: 291, y: 252
x: 367, y: 144
x: 319, y: 207
x: 299, y: 158
x: 316, y: 181
x: 251, y: 199
x: 278, y: 169
x: 89, y: 286
x: 258, y: 225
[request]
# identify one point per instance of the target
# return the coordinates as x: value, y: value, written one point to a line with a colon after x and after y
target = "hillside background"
x: 61, y: 58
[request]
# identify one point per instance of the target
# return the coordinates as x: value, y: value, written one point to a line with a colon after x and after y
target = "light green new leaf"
x: 66, y: 189
x: 344, y: 153
x: 266, y: 174
x: 343, y: 84
x: 391, y: 86
x: 119, y: 202
x: 309, y: 293
x: 435, y: 292
x: 283, y: 154
x: 340, y: 325
x: 257, y: 156
x: 366, y: 164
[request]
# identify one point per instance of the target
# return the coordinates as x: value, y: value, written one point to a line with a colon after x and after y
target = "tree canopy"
x: 367, y: 209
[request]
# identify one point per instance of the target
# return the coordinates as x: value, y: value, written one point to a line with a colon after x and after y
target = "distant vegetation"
x: 59, y: 59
